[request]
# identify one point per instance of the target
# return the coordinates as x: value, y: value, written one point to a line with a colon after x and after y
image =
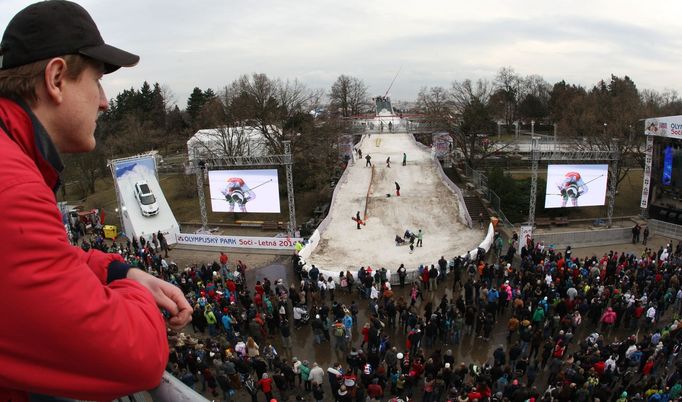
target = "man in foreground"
x: 76, y: 324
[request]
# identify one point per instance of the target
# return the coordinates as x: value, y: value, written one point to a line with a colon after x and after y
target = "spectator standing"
x: 265, y: 384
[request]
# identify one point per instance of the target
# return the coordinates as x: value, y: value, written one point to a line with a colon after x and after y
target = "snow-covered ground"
x: 425, y: 203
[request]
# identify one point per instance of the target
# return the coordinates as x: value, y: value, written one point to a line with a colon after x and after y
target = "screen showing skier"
x: 244, y: 191
x: 571, y: 186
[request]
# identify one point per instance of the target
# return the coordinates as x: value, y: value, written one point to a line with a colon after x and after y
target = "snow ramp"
x: 427, y: 202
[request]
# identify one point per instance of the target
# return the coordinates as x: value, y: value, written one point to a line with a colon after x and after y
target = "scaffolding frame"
x: 612, y: 155
x: 285, y: 160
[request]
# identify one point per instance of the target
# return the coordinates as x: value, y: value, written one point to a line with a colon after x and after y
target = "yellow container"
x: 110, y: 232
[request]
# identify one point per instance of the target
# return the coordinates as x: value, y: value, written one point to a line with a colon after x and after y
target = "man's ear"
x: 55, y: 74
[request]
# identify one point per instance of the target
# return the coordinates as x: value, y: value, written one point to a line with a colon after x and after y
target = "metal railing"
x: 404, y: 125
x: 584, y: 237
x: 666, y: 229
x: 480, y: 182
x: 169, y: 390
x: 174, y: 390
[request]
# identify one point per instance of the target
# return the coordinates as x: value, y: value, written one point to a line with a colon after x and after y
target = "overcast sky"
x: 210, y: 43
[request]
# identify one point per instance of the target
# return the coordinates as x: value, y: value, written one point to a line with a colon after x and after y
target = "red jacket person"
x: 76, y: 324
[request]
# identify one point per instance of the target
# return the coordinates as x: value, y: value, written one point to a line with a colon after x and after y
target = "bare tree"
x: 537, y: 86
x: 535, y: 95
x: 349, y: 95
x: 666, y: 103
x: 507, y: 95
x: 464, y: 112
x: 436, y: 102
x: 464, y: 93
x: 471, y: 102
x: 84, y: 170
x: 606, y: 116
x: 270, y: 106
x: 225, y: 141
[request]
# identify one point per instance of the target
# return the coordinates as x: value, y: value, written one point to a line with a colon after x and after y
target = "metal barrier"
x: 464, y: 214
x: 480, y: 182
x: 370, y: 126
x: 599, y: 237
x: 666, y: 229
x: 174, y: 390
x: 169, y: 390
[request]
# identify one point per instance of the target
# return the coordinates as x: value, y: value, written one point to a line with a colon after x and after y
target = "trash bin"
x: 110, y: 232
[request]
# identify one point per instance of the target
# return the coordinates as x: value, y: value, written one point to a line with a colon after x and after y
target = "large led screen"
x: 571, y: 186
x: 244, y: 190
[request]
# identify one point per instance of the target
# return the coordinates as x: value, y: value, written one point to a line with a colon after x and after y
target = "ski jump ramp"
x: 427, y: 202
x: 134, y: 222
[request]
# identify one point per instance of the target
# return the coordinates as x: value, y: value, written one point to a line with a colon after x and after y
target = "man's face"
x: 84, y: 98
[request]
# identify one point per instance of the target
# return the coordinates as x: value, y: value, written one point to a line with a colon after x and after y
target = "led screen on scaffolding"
x: 254, y: 190
x: 570, y: 186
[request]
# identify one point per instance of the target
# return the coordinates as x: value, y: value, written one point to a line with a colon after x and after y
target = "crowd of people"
x: 595, y: 328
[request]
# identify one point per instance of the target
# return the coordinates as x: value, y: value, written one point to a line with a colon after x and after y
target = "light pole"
x: 605, y: 125
x: 499, y: 128
x: 516, y: 129
x: 532, y: 128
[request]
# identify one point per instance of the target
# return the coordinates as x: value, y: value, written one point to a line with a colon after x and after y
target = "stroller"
x: 305, y: 317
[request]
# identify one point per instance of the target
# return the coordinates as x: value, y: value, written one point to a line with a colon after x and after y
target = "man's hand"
x: 167, y: 296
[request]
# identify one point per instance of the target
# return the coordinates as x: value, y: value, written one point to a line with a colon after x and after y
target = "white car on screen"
x: 146, y: 199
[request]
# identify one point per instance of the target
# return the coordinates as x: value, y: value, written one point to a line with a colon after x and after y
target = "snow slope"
x: 425, y: 203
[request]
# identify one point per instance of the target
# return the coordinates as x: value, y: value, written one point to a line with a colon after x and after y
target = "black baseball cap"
x: 55, y: 28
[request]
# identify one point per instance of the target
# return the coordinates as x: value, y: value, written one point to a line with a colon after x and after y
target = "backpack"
x: 250, y: 386
x: 339, y: 330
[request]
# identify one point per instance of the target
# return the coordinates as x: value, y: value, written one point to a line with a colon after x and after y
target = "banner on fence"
x: 273, y: 243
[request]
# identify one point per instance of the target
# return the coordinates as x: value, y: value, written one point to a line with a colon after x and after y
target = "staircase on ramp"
x: 475, y: 207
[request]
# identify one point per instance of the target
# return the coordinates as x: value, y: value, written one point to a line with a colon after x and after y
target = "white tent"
x: 227, y: 141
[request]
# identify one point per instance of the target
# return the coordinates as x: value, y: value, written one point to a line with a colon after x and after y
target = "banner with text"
x: 525, y: 237
x: 442, y: 143
x: 273, y: 243
x: 646, y: 177
x: 668, y: 126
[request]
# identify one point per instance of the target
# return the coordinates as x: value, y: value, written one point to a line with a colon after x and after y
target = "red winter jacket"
x: 65, y: 331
